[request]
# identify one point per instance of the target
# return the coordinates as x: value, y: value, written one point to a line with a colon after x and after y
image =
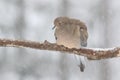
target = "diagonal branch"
x: 89, y: 53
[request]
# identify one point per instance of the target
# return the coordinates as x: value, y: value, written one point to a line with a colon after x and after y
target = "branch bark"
x: 92, y: 53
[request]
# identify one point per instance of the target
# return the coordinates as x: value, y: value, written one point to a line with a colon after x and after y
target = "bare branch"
x: 89, y: 53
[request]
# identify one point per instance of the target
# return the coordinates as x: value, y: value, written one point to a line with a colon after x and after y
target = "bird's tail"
x: 82, y: 65
x: 81, y: 60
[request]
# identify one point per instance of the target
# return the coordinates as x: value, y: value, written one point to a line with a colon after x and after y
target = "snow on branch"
x: 92, y: 53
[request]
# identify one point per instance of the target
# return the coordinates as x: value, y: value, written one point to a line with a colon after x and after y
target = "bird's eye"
x: 56, y: 38
x: 81, y: 28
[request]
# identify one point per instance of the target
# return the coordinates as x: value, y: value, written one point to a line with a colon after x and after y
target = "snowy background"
x: 33, y: 20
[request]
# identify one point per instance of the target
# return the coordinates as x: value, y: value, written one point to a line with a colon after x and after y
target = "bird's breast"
x: 68, y: 41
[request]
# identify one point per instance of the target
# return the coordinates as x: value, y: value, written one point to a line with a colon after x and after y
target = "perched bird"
x: 71, y: 33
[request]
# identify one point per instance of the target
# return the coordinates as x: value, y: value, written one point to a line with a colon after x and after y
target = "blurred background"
x: 33, y: 20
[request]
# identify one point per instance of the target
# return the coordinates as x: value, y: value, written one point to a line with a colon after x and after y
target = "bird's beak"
x: 53, y: 27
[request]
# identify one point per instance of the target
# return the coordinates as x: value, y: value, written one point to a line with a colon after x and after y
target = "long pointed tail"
x: 82, y: 66
x: 81, y: 60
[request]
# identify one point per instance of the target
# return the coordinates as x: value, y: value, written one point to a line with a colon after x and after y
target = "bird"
x: 71, y: 33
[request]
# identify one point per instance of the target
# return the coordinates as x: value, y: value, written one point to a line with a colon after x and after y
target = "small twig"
x: 89, y: 53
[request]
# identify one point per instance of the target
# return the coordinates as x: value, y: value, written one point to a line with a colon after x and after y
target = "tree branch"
x: 89, y: 53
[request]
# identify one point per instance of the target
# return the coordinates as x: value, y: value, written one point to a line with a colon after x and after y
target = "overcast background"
x: 33, y: 20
